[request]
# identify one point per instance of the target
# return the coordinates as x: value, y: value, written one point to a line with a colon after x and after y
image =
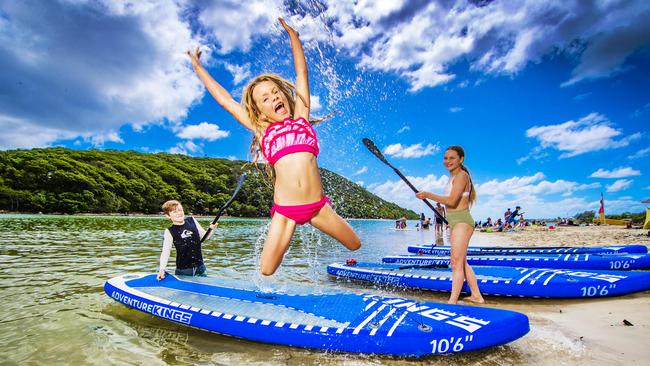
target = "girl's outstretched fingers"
x: 195, y: 57
x: 287, y: 27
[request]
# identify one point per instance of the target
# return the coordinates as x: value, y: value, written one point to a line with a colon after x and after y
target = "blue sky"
x: 549, y: 98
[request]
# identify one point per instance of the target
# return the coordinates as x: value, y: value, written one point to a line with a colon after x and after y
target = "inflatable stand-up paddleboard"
x: 501, y: 281
x: 612, y: 249
x: 572, y: 261
x: 342, y: 322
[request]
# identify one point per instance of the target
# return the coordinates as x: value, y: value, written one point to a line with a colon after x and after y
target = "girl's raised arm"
x: 301, y: 109
x: 219, y: 93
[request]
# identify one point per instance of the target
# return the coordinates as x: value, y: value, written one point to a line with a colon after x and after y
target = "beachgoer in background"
x: 441, y: 210
x: 400, y: 224
x: 506, y: 215
x: 488, y: 222
x: 277, y: 112
x: 185, y: 234
x: 426, y: 224
x: 512, y: 219
x: 460, y: 194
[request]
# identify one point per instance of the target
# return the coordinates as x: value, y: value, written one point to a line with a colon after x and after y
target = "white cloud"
x: 640, y: 153
x: 530, y: 185
x: 537, y: 154
x: 403, y: 129
x: 421, y: 41
x: 203, y: 130
x: 108, y: 64
x: 22, y: 134
x: 100, y: 139
x: 455, y: 109
x: 619, y: 205
x: 413, y: 151
x: 540, y: 198
x: 590, y: 133
x: 234, y: 24
x: 398, y: 192
x: 641, y: 111
x: 239, y: 72
x: 361, y: 171
x: 620, y: 172
x: 360, y: 183
x: 315, y: 105
x: 186, y: 148
x: 130, y: 67
x: 582, y: 96
x: 619, y: 185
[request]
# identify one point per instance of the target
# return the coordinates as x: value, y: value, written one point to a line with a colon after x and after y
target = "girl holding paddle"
x: 459, y: 195
x: 277, y: 113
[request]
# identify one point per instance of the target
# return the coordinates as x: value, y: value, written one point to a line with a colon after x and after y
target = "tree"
x: 587, y: 216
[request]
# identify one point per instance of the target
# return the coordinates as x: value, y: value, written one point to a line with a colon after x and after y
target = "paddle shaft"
x: 225, y: 206
x: 416, y: 191
x: 375, y: 151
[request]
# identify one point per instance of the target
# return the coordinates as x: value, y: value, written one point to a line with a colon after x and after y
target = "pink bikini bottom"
x: 301, y: 214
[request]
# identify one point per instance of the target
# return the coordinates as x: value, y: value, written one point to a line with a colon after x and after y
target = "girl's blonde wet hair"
x: 461, y: 154
x: 248, y: 103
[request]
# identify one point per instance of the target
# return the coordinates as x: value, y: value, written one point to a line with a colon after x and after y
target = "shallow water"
x: 53, y: 268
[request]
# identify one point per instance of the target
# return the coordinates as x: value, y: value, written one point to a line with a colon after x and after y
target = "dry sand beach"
x: 592, y: 328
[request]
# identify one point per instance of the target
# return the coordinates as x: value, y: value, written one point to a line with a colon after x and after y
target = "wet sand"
x: 593, y: 328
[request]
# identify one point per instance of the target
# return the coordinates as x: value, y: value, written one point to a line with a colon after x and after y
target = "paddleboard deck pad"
x: 612, y: 249
x: 501, y: 281
x: 341, y: 322
x: 572, y: 261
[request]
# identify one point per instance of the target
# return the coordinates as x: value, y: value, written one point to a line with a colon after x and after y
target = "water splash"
x: 261, y: 282
x: 311, y: 240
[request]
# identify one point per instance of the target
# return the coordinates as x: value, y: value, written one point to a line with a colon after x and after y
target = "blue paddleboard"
x: 501, y: 281
x: 612, y: 249
x: 343, y: 322
x: 573, y: 261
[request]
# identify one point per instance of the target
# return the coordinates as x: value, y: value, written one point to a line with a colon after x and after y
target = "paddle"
x: 226, y: 205
x: 375, y: 151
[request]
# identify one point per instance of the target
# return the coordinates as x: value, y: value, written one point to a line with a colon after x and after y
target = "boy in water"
x: 185, y: 233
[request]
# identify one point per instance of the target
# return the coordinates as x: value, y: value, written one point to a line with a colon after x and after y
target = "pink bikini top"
x: 288, y: 137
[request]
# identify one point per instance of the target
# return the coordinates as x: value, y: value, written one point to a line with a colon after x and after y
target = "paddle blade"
x: 374, y: 149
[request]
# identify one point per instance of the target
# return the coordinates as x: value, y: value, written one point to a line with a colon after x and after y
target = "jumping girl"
x: 459, y: 195
x: 277, y: 112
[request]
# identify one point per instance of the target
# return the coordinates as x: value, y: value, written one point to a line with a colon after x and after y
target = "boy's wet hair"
x: 170, y: 206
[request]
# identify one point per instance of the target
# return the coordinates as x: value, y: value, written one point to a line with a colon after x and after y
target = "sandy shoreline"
x: 592, y: 328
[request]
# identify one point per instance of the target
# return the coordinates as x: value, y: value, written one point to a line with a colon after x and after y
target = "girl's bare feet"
x: 475, y: 299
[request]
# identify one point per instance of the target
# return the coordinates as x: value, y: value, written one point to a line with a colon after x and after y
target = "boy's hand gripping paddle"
x: 375, y: 151
x: 226, y: 205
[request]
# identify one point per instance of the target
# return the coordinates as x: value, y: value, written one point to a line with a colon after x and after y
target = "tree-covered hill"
x: 59, y: 180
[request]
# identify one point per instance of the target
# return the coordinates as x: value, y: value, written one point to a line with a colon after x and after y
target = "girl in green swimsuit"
x: 459, y: 195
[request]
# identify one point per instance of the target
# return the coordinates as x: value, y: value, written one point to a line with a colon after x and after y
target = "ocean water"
x: 54, y: 310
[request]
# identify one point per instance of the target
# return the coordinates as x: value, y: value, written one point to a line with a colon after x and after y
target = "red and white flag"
x: 601, y: 211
